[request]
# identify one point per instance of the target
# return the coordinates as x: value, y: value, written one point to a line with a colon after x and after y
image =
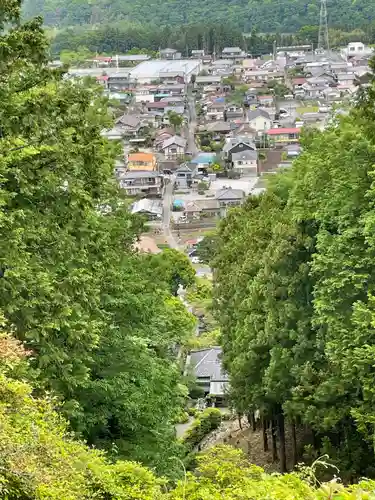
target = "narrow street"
x: 168, y: 191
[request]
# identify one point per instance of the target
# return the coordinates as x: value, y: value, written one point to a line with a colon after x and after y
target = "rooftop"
x: 277, y: 131
x: 146, y: 157
x: 206, y: 363
x: 152, y: 68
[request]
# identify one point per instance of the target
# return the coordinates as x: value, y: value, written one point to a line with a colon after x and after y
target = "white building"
x: 151, y: 70
x: 355, y: 49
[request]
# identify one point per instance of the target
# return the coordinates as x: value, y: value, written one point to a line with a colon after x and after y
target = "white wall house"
x: 259, y: 120
x: 245, y: 162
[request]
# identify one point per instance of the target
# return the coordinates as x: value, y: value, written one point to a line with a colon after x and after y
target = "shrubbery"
x: 209, y: 420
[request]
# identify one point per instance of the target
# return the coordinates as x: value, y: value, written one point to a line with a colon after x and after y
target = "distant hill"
x: 265, y: 15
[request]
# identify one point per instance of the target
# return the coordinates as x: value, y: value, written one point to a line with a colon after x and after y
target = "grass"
x: 307, y: 109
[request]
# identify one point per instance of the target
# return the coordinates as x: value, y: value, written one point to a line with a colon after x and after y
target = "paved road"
x: 167, y: 202
x: 192, y: 123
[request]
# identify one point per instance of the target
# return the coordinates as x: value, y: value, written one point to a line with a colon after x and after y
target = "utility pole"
x: 323, y: 41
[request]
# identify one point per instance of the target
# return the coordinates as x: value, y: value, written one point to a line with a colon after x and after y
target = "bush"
x: 209, y: 420
x: 182, y: 417
x: 193, y: 412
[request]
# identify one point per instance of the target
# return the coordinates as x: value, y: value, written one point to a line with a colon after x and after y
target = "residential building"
x: 284, y: 135
x: 215, y: 110
x: 265, y: 100
x: 207, y: 368
x: 245, y: 162
x: 237, y: 145
x: 173, y: 147
x: 129, y: 124
x: 355, y: 49
x: 227, y: 198
x: 184, y: 176
x: 203, y: 80
x: 202, y: 161
x: 142, y: 161
x: 259, y: 120
x: 169, y: 54
x: 234, y: 53
x: 136, y: 183
x: 153, y: 209
x: 197, y: 54
x: 233, y: 112
x: 203, y: 208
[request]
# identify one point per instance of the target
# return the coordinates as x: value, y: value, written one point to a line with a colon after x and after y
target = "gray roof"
x: 230, y: 50
x: 128, y: 121
x: 258, y: 112
x: 134, y: 57
x: 176, y: 139
x: 218, y: 126
x: 246, y: 155
x: 229, y: 193
x: 145, y: 205
x: 206, y: 363
x: 233, y: 141
x: 139, y: 174
x: 208, y: 79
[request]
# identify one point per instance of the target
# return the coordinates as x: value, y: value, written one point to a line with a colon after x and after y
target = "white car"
x: 195, y: 260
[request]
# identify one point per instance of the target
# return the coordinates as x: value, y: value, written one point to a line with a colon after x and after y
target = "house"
x: 142, y: 161
x: 184, y: 176
x: 233, y: 112
x: 206, y: 366
x: 345, y: 78
x: 169, y: 54
x: 156, y: 106
x: 173, y: 147
x: 215, y: 110
x: 237, y: 145
x: 202, y: 161
x: 141, y: 183
x: 228, y: 197
x: 233, y: 53
x: 259, y: 120
x: 265, y: 100
x: 128, y: 124
x: 162, y: 135
x: 245, y: 130
x: 297, y: 83
x: 153, y: 209
x: 220, y: 128
x: 203, y: 80
x: 197, y: 54
x: 245, y: 162
x: 114, y: 134
x: 355, y: 49
x: 284, y: 135
x: 198, y: 209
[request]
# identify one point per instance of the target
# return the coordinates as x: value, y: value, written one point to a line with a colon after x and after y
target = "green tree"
x: 175, y: 120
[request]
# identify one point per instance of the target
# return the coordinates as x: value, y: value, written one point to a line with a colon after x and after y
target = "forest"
x: 294, y: 284
x: 272, y: 16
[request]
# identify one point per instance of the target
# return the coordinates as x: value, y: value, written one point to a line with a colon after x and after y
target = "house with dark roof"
x: 259, y: 120
x: 206, y: 366
x: 229, y: 197
x: 236, y: 145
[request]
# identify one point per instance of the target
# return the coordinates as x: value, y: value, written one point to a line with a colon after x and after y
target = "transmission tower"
x: 323, y: 41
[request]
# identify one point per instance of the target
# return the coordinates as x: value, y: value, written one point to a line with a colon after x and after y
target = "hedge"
x: 209, y: 420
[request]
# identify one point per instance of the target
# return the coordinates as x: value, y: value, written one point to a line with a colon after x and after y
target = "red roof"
x: 299, y: 81
x: 102, y: 58
x: 277, y: 131
x: 157, y: 105
x: 265, y: 97
x: 102, y: 78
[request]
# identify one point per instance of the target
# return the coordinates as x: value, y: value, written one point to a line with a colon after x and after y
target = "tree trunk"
x: 294, y: 444
x: 264, y: 432
x: 239, y: 416
x: 281, y: 428
x: 254, y: 423
x: 274, y: 442
x: 251, y: 420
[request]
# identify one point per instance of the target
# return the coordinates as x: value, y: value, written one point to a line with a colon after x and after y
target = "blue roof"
x: 220, y: 99
x: 178, y: 203
x: 204, y: 158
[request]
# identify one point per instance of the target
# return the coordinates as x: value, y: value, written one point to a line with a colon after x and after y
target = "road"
x: 167, y: 203
x: 192, y: 123
x: 168, y: 191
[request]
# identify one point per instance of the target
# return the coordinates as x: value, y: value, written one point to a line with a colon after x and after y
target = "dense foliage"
x: 101, y: 320
x: 294, y: 291
x: 283, y: 16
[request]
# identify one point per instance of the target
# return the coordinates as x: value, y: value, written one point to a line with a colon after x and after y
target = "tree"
x: 100, y: 318
x: 175, y: 120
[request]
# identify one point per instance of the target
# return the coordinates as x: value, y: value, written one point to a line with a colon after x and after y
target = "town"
x: 199, y: 134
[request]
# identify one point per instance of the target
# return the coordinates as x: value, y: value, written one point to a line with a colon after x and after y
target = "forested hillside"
x: 271, y: 15
x: 295, y: 295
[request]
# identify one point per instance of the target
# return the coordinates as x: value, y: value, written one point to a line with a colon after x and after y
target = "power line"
x: 323, y: 40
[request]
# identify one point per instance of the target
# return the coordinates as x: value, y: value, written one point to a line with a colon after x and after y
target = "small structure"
x: 198, y: 209
x: 207, y: 368
x: 228, y: 197
x: 284, y: 135
x: 245, y: 162
x: 170, y: 54
x: 128, y: 124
